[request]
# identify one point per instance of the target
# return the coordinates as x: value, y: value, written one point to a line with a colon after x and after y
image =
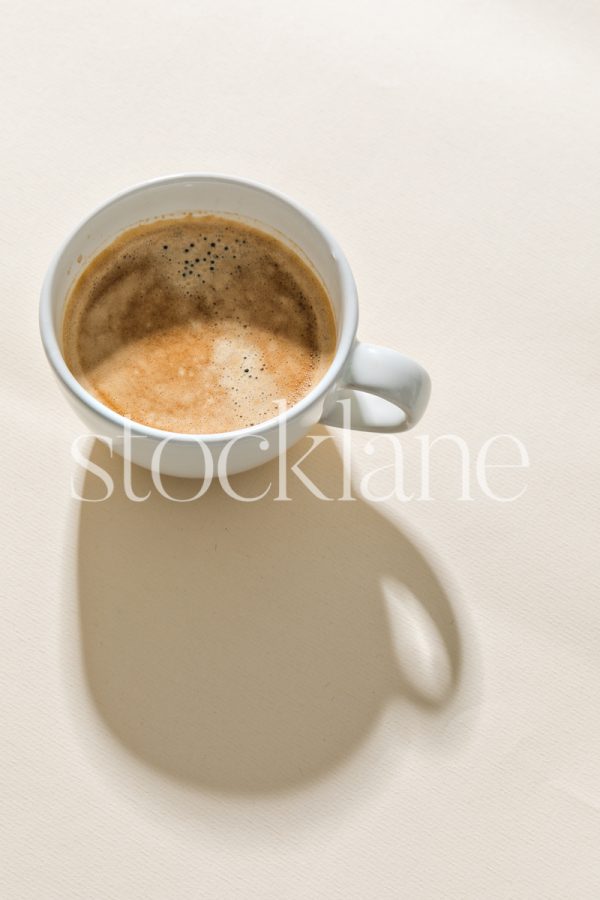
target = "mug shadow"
x: 248, y: 647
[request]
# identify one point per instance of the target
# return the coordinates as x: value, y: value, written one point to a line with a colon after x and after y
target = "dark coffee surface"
x: 199, y: 324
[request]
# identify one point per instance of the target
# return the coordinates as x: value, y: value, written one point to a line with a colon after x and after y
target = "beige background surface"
x: 304, y: 700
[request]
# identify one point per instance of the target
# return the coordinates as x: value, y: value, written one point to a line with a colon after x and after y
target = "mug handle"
x: 386, y: 390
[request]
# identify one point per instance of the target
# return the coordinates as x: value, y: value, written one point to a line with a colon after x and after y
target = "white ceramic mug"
x: 384, y: 390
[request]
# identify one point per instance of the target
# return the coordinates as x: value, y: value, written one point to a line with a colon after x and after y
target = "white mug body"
x: 386, y: 390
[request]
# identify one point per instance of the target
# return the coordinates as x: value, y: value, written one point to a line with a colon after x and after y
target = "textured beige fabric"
x: 317, y: 699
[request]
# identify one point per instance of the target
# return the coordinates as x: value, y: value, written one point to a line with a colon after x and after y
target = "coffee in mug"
x: 198, y: 324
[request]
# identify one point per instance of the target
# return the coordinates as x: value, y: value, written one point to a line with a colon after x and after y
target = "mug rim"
x: 346, y: 331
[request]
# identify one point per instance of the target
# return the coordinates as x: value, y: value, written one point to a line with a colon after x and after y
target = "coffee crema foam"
x: 198, y: 325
